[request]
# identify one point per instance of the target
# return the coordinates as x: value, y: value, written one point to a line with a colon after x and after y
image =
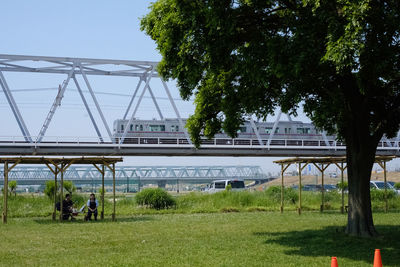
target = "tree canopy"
x: 340, y: 59
x: 248, y: 57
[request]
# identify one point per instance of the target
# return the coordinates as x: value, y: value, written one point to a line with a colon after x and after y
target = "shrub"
x: 380, y: 194
x: 274, y: 193
x: 397, y: 186
x: 228, y: 187
x: 101, y: 191
x: 49, y: 189
x: 155, y: 198
x: 13, y: 187
x: 69, y: 186
x: 343, y: 186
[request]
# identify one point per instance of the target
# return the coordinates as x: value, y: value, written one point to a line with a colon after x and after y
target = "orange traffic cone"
x: 377, y: 258
x: 334, y: 262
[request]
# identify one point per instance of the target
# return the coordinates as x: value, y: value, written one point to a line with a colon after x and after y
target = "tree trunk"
x: 361, y: 149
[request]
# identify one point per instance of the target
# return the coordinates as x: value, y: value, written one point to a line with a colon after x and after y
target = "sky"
x: 90, y: 29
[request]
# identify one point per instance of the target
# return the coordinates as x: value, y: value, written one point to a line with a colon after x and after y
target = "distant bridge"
x: 36, y: 175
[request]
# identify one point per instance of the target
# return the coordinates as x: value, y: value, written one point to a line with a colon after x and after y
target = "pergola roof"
x: 327, y: 160
x: 47, y: 160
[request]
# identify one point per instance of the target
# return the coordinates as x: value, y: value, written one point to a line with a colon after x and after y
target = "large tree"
x: 339, y: 59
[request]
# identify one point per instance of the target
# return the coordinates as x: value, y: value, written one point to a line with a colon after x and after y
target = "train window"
x: 177, y: 128
x: 268, y: 130
x: 141, y: 128
x: 157, y: 128
x: 136, y: 127
x: 288, y: 130
x: 242, y: 130
x: 131, y: 127
x: 303, y: 130
x: 122, y: 127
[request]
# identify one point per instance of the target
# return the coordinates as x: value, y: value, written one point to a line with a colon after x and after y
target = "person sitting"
x: 92, y: 205
x: 67, y: 207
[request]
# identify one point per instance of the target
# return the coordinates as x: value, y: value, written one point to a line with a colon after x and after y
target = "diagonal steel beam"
x: 96, y: 103
x: 56, y: 103
x: 178, y: 115
x: 136, y: 107
x: 14, y: 108
x: 133, y: 98
x: 271, y: 135
x: 155, y: 103
x: 88, y: 109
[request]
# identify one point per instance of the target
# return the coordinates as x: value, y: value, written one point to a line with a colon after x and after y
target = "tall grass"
x: 196, y: 202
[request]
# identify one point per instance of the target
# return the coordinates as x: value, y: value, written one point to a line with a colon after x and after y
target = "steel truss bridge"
x: 145, y: 71
x: 34, y: 175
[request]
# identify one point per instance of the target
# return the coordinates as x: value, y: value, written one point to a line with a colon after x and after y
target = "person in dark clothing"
x: 67, y: 207
x: 92, y: 205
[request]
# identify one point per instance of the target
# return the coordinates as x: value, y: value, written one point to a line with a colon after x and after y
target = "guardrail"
x: 183, y: 142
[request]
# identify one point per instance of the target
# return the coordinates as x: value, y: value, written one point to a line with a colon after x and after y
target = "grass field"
x: 212, y: 239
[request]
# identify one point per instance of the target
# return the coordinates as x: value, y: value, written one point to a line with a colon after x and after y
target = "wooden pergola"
x: 324, y: 163
x: 59, y: 166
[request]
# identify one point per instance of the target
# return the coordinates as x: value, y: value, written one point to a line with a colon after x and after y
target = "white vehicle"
x: 220, y: 185
x: 379, y: 185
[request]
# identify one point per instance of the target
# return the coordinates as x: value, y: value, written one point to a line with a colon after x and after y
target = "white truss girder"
x: 140, y: 172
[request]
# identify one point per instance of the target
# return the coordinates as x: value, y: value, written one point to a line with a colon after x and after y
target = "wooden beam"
x: 113, y: 172
x: 102, y: 192
x: 300, y: 169
x: 62, y: 192
x: 5, y: 192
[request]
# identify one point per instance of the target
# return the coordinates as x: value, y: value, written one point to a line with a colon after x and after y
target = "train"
x: 171, y: 129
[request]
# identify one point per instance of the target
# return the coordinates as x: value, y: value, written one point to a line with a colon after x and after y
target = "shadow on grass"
x: 106, y: 220
x: 332, y: 241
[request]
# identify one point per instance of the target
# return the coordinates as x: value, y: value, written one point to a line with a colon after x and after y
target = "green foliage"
x: 290, y: 195
x: 397, y: 186
x: 101, y: 190
x: 228, y: 187
x: 379, y: 195
x: 282, y: 53
x: 69, y: 186
x: 49, y: 189
x: 337, y: 58
x: 343, y: 186
x: 13, y: 187
x: 155, y: 198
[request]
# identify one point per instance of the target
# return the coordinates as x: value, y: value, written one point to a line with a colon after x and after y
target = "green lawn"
x: 208, y: 239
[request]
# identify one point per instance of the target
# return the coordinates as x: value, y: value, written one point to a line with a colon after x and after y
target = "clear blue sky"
x: 92, y: 29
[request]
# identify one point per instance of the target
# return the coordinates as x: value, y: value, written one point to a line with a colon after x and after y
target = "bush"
x: 397, y: 186
x: 379, y: 195
x: 290, y: 195
x: 343, y: 186
x: 155, y: 198
x: 49, y: 189
x: 13, y: 187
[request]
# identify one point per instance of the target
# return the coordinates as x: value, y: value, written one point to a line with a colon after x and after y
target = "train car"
x: 171, y: 129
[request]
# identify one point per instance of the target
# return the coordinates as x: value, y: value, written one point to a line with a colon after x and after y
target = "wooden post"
x: 322, y: 189
x: 300, y: 169
x: 102, y: 192
x: 113, y: 171
x: 283, y: 169
x: 282, y: 188
x: 55, y: 194
x: 61, y: 191
x: 341, y: 175
x: 384, y: 177
x: 177, y: 186
x: 5, y: 192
